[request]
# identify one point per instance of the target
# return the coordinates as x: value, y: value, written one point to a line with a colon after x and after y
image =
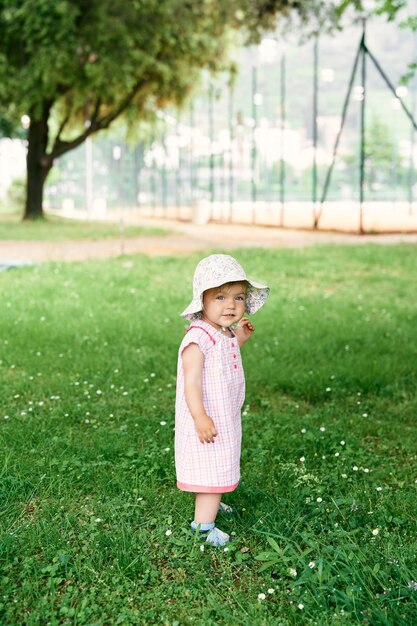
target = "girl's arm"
x: 244, y: 330
x: 192, y: 363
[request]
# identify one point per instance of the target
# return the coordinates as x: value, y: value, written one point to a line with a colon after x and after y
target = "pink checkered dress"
x: 214, y: 467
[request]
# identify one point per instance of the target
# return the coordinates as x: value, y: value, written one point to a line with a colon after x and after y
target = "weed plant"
x: 93, y: 529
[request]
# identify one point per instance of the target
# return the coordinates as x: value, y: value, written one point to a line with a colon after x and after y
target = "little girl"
x: 211, y: 387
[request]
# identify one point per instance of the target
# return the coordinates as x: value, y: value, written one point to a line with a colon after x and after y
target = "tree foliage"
x: 74, y: 66
x: 98, y: 58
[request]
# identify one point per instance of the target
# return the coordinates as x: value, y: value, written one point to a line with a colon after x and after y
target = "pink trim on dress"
x: 204, y: 331
x: 205, y: 489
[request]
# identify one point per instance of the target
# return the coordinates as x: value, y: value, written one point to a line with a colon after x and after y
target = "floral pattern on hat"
x: 219, y: 269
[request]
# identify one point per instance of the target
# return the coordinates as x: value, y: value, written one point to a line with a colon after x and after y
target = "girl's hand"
x: 244, y: 331
x: 205, y: 428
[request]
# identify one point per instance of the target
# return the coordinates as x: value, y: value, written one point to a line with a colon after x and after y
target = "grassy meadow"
x: 93, y: 529
x: 55, y: 228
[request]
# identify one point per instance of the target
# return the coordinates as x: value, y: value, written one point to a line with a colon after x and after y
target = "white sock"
x: 203, y: 527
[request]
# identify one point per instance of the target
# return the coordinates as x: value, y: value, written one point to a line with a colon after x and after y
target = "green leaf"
x: 274, y: 545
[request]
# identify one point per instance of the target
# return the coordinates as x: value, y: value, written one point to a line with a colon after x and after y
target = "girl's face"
x: 224, y: 305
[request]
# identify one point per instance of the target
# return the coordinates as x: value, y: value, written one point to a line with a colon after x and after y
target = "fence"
x: 263, y: 147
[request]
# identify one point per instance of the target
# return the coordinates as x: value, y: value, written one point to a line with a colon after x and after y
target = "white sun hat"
x: 216, y: 270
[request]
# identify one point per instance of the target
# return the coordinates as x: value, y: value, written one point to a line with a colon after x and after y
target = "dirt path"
x: 184, y: 238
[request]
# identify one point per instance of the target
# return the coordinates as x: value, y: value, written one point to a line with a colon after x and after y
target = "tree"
x: 75, y: 66
x: 379, y: 151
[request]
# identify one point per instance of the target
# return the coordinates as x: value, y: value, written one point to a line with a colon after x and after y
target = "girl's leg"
x: 206, y: 507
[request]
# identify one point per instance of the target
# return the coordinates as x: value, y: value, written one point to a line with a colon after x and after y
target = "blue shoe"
x: 225, y: 508
x: 217, y: 537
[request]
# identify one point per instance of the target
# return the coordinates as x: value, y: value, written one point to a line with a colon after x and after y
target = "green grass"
x: 55, y: 228
x: 87, y: 389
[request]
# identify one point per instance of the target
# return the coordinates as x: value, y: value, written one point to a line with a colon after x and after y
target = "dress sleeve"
x: 201, y: 337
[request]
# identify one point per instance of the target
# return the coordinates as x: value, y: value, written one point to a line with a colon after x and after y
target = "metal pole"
x: 178, y: 172
x: 211, y: 135
x: 191, y: 163
x: 339, y: 135
x: 411, y: 176
x: 363, y: 129
x: 231, y: 141
x: 394, y: 156
x: 89, y: 193
x: 153, y: 181
x: 282, y: 146
x: 89, y: 177
x: 254, y: 151
x: 164, y: 171
x: 391, y: 86
x: 136, y: 174
x: 315, y: 112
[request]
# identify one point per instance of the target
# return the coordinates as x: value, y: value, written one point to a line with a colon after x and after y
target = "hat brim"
x: 256, y: 296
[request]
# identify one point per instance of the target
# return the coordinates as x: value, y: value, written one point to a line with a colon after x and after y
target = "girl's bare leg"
x: 206, y: 507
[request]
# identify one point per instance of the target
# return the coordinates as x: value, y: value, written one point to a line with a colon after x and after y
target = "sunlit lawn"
x: 93, y: 530
x: 55, y: 228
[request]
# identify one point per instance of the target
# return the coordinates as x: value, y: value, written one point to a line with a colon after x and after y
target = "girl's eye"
x: 240, y: 298
x: 219, y: 297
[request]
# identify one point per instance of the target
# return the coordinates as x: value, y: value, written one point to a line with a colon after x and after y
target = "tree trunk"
x: 38, y: 165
